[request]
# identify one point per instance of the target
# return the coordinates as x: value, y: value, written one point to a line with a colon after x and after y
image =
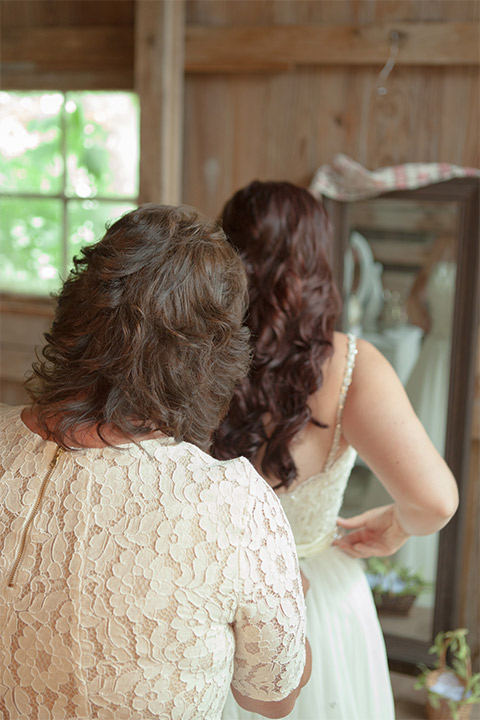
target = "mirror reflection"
x: 399, y: 288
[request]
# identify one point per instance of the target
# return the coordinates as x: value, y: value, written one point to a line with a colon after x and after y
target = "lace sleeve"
x: 269, y: 624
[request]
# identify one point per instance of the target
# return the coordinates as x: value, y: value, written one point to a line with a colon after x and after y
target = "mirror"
x: 408, y: 265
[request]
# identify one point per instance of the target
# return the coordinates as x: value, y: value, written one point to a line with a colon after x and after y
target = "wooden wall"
x: 67, y: 44
x: 286, y: 122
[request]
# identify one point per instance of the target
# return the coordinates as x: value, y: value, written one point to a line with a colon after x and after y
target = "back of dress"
x: 132, y: 579
x: 312, y: 507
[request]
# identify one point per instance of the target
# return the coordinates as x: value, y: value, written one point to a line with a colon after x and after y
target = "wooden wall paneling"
x: 208, y: 143
x: 341, y: 12
x: 424, y: 10
x: 354, y: 115
x: 262, y: 129
x: 428, y: 116
x: 471, y: 152
x: 390, y: 132
x: 271, y: 126
x: 252, y: 129
x: 22, y: 324
x: 284, y: 125
x: 459, y: 135
x: 66, y: 45
x: 79, y: 47
x: 159, y: 58
x: 64, y: 13
x: 280, y: 47
x: 310, y: 116
x: 261, y: 12
x: 24, y: 77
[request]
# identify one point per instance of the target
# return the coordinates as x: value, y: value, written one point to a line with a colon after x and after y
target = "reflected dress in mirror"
x: 427, y: 389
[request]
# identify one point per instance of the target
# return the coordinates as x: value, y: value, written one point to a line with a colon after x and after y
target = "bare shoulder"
x: 369, y: 361
x: 375, y: 384
x: 377, y: 409
x: 371, y: 365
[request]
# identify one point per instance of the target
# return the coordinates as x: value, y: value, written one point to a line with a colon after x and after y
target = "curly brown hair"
x: 283, y: 235
x: 148, y: 332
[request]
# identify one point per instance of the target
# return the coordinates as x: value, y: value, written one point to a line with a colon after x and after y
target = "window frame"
x: 63, y: 196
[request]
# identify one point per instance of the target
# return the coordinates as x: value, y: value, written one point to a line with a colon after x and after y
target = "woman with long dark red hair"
x: 313, y: 399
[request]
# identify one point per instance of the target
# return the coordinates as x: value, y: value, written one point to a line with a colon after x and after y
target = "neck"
x: 84, y: 436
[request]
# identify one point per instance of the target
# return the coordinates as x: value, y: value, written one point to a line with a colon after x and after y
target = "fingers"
x: 353, y: 522
x: 354, y: 537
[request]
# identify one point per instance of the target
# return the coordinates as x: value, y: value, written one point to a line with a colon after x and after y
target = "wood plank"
x: 282, y: 47
x: 68, y: 48
x: 337, y: 12
x: 159, y: 78
x: 25, y: 13
x: 26, y: 305
x: 24, y: 77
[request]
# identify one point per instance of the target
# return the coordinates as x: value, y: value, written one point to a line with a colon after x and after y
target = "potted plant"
x: 394, y: 586
x: 451, y: 689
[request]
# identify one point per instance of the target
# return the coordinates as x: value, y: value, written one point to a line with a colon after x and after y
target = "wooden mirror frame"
x: 405, y: 652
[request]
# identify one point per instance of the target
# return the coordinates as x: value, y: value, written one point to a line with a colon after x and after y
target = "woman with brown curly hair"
x: 139, y: 576
x: 312, y: 399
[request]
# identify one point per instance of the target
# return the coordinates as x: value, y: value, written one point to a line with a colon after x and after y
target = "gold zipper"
x: 31, y: 517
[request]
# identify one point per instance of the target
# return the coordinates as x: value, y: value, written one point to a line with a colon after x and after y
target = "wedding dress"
x: 427, y: 389
x: 350, y: 679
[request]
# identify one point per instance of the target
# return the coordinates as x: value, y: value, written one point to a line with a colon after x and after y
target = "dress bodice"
x: 312, y: 506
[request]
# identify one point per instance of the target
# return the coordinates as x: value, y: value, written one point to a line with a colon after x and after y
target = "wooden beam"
x: 282, y: 47
x: 159, y: 81
x: 67, y: 58
x: 23, y: 78
x: 67, y: 48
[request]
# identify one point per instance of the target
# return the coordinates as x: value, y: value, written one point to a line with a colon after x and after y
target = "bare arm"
x: 279, y: 708
x: 381, y: 424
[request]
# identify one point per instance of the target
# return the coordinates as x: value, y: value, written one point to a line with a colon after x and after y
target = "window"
x: 68, y: 164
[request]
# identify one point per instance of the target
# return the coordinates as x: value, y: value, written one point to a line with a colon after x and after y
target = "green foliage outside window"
x: 68, y: 164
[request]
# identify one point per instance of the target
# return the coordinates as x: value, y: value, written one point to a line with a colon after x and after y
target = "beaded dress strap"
x: 347, y: 379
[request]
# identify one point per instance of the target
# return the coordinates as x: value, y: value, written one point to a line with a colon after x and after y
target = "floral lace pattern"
x: 150, y: 576
x: 312, y: 507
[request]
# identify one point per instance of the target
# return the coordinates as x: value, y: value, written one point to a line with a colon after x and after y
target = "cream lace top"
x: 150, y: 575
x: 312, y: 507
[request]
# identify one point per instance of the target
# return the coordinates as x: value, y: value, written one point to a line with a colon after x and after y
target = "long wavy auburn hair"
x: 283, y: 235
x: 149, y: 332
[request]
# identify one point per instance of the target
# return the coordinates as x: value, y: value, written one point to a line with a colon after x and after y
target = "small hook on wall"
x: 389, y: 65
